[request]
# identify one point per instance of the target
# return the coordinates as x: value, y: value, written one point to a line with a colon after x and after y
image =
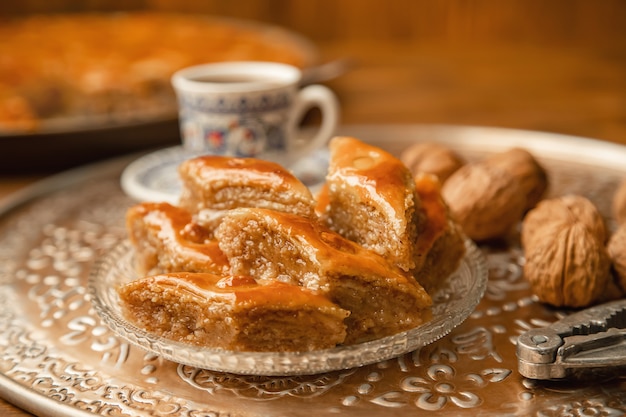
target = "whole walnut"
x: 489, y: 198
x: 523, y: 166
x: 567, y: 263
x: 617, y: 253
x: 563, y: 210
x: 486, y: 200
x: 619, y: 203
x: 567, y: 266
x: 432, y: 158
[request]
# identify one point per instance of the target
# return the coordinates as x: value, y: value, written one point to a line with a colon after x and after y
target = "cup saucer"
x: 154, y: 177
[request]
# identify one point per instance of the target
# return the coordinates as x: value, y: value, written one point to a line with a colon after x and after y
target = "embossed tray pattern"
x: 57, y: 357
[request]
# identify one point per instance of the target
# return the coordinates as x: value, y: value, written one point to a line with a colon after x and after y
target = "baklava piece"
x: 212, y: 185
x: 166, y: 239
x: 441, y: 243
x: 275, y: 246
x: 371, y: 200
x: 233, y: 312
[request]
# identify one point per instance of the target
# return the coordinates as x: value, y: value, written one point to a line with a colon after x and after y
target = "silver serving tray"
x: 58, y: 358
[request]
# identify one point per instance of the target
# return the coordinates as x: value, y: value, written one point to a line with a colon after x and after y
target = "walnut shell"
x: 617, y: 252
x: 523, y: 166
x: 619, y: 204
x: 567, y: 266
x: 563, y: 210
x: 432, y: 158
x: 485, y: 200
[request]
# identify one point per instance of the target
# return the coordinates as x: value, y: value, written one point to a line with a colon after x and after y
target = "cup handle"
x: 310, y: 97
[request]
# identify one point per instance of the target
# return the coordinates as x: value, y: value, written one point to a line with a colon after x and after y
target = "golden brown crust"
x: 167, y: 240
x: 233, y: 312
x: 267, y: 230
x: 372, y: 201
x: 216, y: 184
x: 428, y: 188
x: 381, y: 298
x: 442, y: 243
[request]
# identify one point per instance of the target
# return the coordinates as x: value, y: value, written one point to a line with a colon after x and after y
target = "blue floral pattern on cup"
x: 244, y: 128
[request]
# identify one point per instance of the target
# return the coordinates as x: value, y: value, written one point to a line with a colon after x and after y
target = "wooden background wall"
x: 554, y: 65
x: 560, y: 22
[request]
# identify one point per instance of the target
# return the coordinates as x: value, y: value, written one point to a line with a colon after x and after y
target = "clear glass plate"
x: 453, y: 302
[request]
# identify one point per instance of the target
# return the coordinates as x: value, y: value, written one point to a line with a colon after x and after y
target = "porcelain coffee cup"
x: 251, y: 109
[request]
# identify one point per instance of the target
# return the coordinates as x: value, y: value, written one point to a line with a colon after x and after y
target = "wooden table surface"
x: 577, y: 89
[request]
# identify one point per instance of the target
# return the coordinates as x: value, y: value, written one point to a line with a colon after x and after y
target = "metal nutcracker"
x: 589, y: 343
